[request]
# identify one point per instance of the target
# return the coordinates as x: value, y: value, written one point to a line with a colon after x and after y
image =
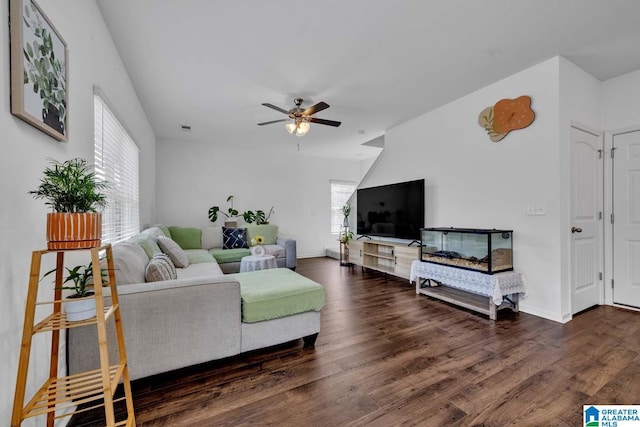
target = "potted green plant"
x: 346, y: 211
x: 230, y: 214
x: 73, y: 192
x: 79, y: 307
x: 346, y: 237
x: 259, y: 217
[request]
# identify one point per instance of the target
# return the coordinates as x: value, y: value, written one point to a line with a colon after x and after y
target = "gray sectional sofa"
x: 198, y: 316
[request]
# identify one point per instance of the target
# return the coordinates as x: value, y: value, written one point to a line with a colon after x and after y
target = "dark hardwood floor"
x: 386, y: 356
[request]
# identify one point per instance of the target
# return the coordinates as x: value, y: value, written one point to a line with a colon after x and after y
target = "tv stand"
x: 363, y: 235
x: 387, y: 257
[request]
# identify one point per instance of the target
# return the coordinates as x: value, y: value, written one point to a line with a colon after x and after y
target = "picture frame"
x: 39, y: 74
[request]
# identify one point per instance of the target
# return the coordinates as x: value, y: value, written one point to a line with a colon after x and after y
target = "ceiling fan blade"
x: 272, y: 121
x: 324, y: 122
x: 315, y: 108
x: 266, y: 104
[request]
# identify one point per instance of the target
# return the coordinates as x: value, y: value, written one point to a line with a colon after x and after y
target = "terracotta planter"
x: 73, y: 230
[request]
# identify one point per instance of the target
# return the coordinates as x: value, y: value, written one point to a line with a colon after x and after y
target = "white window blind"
x: 341, y: 191
x: 116, y: 162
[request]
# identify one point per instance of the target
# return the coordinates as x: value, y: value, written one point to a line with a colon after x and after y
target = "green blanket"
x: 280, y: 292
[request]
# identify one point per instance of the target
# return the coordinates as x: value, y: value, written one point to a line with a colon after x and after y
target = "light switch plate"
x: 536, y: 209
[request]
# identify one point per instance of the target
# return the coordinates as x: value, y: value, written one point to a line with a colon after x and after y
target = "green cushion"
x: 275, y: 293
x: 229, y: 255
x: 268, y: 231
x: 147, y: 243
x: 164, y: 229
x: 198, y: 257
x: 187, y: 237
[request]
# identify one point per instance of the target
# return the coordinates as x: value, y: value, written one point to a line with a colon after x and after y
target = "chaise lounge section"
x: 200, y: 316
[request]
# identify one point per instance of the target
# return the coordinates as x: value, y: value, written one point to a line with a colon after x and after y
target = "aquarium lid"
x: 467, y: 230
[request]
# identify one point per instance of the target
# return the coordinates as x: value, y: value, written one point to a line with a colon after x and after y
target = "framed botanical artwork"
x: 39, y: 78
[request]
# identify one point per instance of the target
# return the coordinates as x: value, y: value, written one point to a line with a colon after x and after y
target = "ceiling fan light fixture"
x: 291, y: 127
x: 303, y: 128
x: 300, y: 118
x: 299, y: 128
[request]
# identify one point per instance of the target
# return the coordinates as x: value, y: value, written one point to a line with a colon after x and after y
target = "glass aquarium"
x: 483, y: 250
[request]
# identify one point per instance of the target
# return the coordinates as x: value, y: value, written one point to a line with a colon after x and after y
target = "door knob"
x: 576, y: 230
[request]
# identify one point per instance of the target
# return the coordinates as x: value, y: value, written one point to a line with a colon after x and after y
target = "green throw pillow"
x: 147, y: 243
x: 268, y: 231
x: 187, y: 237
x: 164, y: 229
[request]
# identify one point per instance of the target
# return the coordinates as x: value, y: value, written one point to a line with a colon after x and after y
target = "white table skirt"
x: 255, y: 263
x: 491, y: 285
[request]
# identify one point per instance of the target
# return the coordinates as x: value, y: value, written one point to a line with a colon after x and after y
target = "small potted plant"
x: 259, y: 217
x: 231, y: 213
x: 346, y: 211
x: 345, y: 238
x: 79, y: 307
x: 73, y: 192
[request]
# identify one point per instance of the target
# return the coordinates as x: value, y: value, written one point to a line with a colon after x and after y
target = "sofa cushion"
x: 275, y: 250
x: 176, y: 253
x: 229, y: 255
x: 147, y: 243
x: 276, y: 293
x: 268, y: 231
x: 203, y: 269
x: 160, y: 268
x: 164, y: 228
x: 187, y: 237
x: 234, y: 238
x: 211, y: 237
x: 153, y: 232
x: 129, y: 261
x: 197, y: 256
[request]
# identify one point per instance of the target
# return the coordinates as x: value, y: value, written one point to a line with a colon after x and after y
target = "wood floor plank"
x: 386, y: 356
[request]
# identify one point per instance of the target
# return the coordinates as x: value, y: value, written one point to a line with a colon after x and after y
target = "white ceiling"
x: 210, y: 63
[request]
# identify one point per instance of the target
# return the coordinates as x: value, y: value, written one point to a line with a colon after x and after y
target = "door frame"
x: 608, y: 211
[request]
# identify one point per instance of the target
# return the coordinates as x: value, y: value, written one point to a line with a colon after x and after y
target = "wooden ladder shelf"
x: 64, y: 394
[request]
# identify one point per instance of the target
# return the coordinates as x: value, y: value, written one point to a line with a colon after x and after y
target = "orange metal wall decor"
x: 505, y: 116
x: 73, y: 230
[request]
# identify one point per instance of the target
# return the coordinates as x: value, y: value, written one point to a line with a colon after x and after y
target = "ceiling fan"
x: 300, y: 118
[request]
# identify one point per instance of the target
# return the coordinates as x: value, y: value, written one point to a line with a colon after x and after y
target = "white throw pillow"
x: 160, y: 268
x: 175, y: 252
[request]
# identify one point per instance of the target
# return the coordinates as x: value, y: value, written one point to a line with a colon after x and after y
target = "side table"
x: 255, y: 263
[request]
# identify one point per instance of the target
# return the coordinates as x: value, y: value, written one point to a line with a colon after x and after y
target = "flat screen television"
x: 394, y: 210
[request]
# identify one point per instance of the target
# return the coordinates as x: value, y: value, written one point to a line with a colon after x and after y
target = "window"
x: 116, y: 162
x: 341, y: 191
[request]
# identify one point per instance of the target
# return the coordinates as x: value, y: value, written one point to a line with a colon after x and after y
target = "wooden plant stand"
x: 65, y: 393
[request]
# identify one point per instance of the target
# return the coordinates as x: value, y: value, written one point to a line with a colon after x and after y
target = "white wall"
x: 193, y: 176
x: 621, y: 102
x: 92, y: 60
x: 473, y: 182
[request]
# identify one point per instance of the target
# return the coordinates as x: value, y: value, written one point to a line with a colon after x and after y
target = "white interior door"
x: 586, y: 219
x: 626, y: 223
